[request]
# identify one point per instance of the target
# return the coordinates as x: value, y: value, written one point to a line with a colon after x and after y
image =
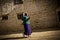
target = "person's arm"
x: 28, y: 18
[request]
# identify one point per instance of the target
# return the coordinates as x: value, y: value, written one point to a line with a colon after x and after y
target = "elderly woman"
x: 27, y: 28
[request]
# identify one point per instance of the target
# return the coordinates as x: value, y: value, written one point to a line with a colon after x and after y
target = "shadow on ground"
x: 13, y: 38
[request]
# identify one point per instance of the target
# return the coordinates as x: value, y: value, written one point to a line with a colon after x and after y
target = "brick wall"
x: 41, y: 12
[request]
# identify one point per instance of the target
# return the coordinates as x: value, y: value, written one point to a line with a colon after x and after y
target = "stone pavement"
x: 46, y: 35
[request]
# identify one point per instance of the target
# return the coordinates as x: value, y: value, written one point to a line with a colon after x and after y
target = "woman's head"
x: 25, y: 14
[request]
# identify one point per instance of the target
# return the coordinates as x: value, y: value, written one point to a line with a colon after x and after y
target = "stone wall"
x: 41, y: 12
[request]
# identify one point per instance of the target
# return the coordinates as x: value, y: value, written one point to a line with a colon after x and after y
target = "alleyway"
x: 44, y: 19
x: 46, y: 35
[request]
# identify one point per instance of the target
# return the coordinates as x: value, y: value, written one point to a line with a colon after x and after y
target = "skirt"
x: 27, y: 29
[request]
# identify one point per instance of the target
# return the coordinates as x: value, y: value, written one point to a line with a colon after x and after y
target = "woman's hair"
x: 25, y: 14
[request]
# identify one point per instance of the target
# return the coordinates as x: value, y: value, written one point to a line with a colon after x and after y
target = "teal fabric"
x: 26, y: 20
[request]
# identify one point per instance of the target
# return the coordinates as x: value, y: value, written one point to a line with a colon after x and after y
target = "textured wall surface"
x: 41, y: 12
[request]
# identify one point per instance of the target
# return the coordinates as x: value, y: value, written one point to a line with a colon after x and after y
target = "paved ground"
x: 46, y: 35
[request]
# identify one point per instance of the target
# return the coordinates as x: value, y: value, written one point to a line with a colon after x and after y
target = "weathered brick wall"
x: 41, y: 12
x: 46, y: 13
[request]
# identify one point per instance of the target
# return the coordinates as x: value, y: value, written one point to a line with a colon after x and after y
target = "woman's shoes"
x: 26, y: 36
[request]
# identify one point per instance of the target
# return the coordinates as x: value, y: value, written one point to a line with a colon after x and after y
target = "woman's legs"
x: 27, y: 30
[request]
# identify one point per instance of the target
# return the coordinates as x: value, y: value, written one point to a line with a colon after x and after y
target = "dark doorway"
x: 59, y: 15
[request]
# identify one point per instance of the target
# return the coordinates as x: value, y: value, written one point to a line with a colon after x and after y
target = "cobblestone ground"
x: 46, y: 35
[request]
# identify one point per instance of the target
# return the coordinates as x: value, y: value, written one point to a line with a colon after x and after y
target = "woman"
x: 27, y: 28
